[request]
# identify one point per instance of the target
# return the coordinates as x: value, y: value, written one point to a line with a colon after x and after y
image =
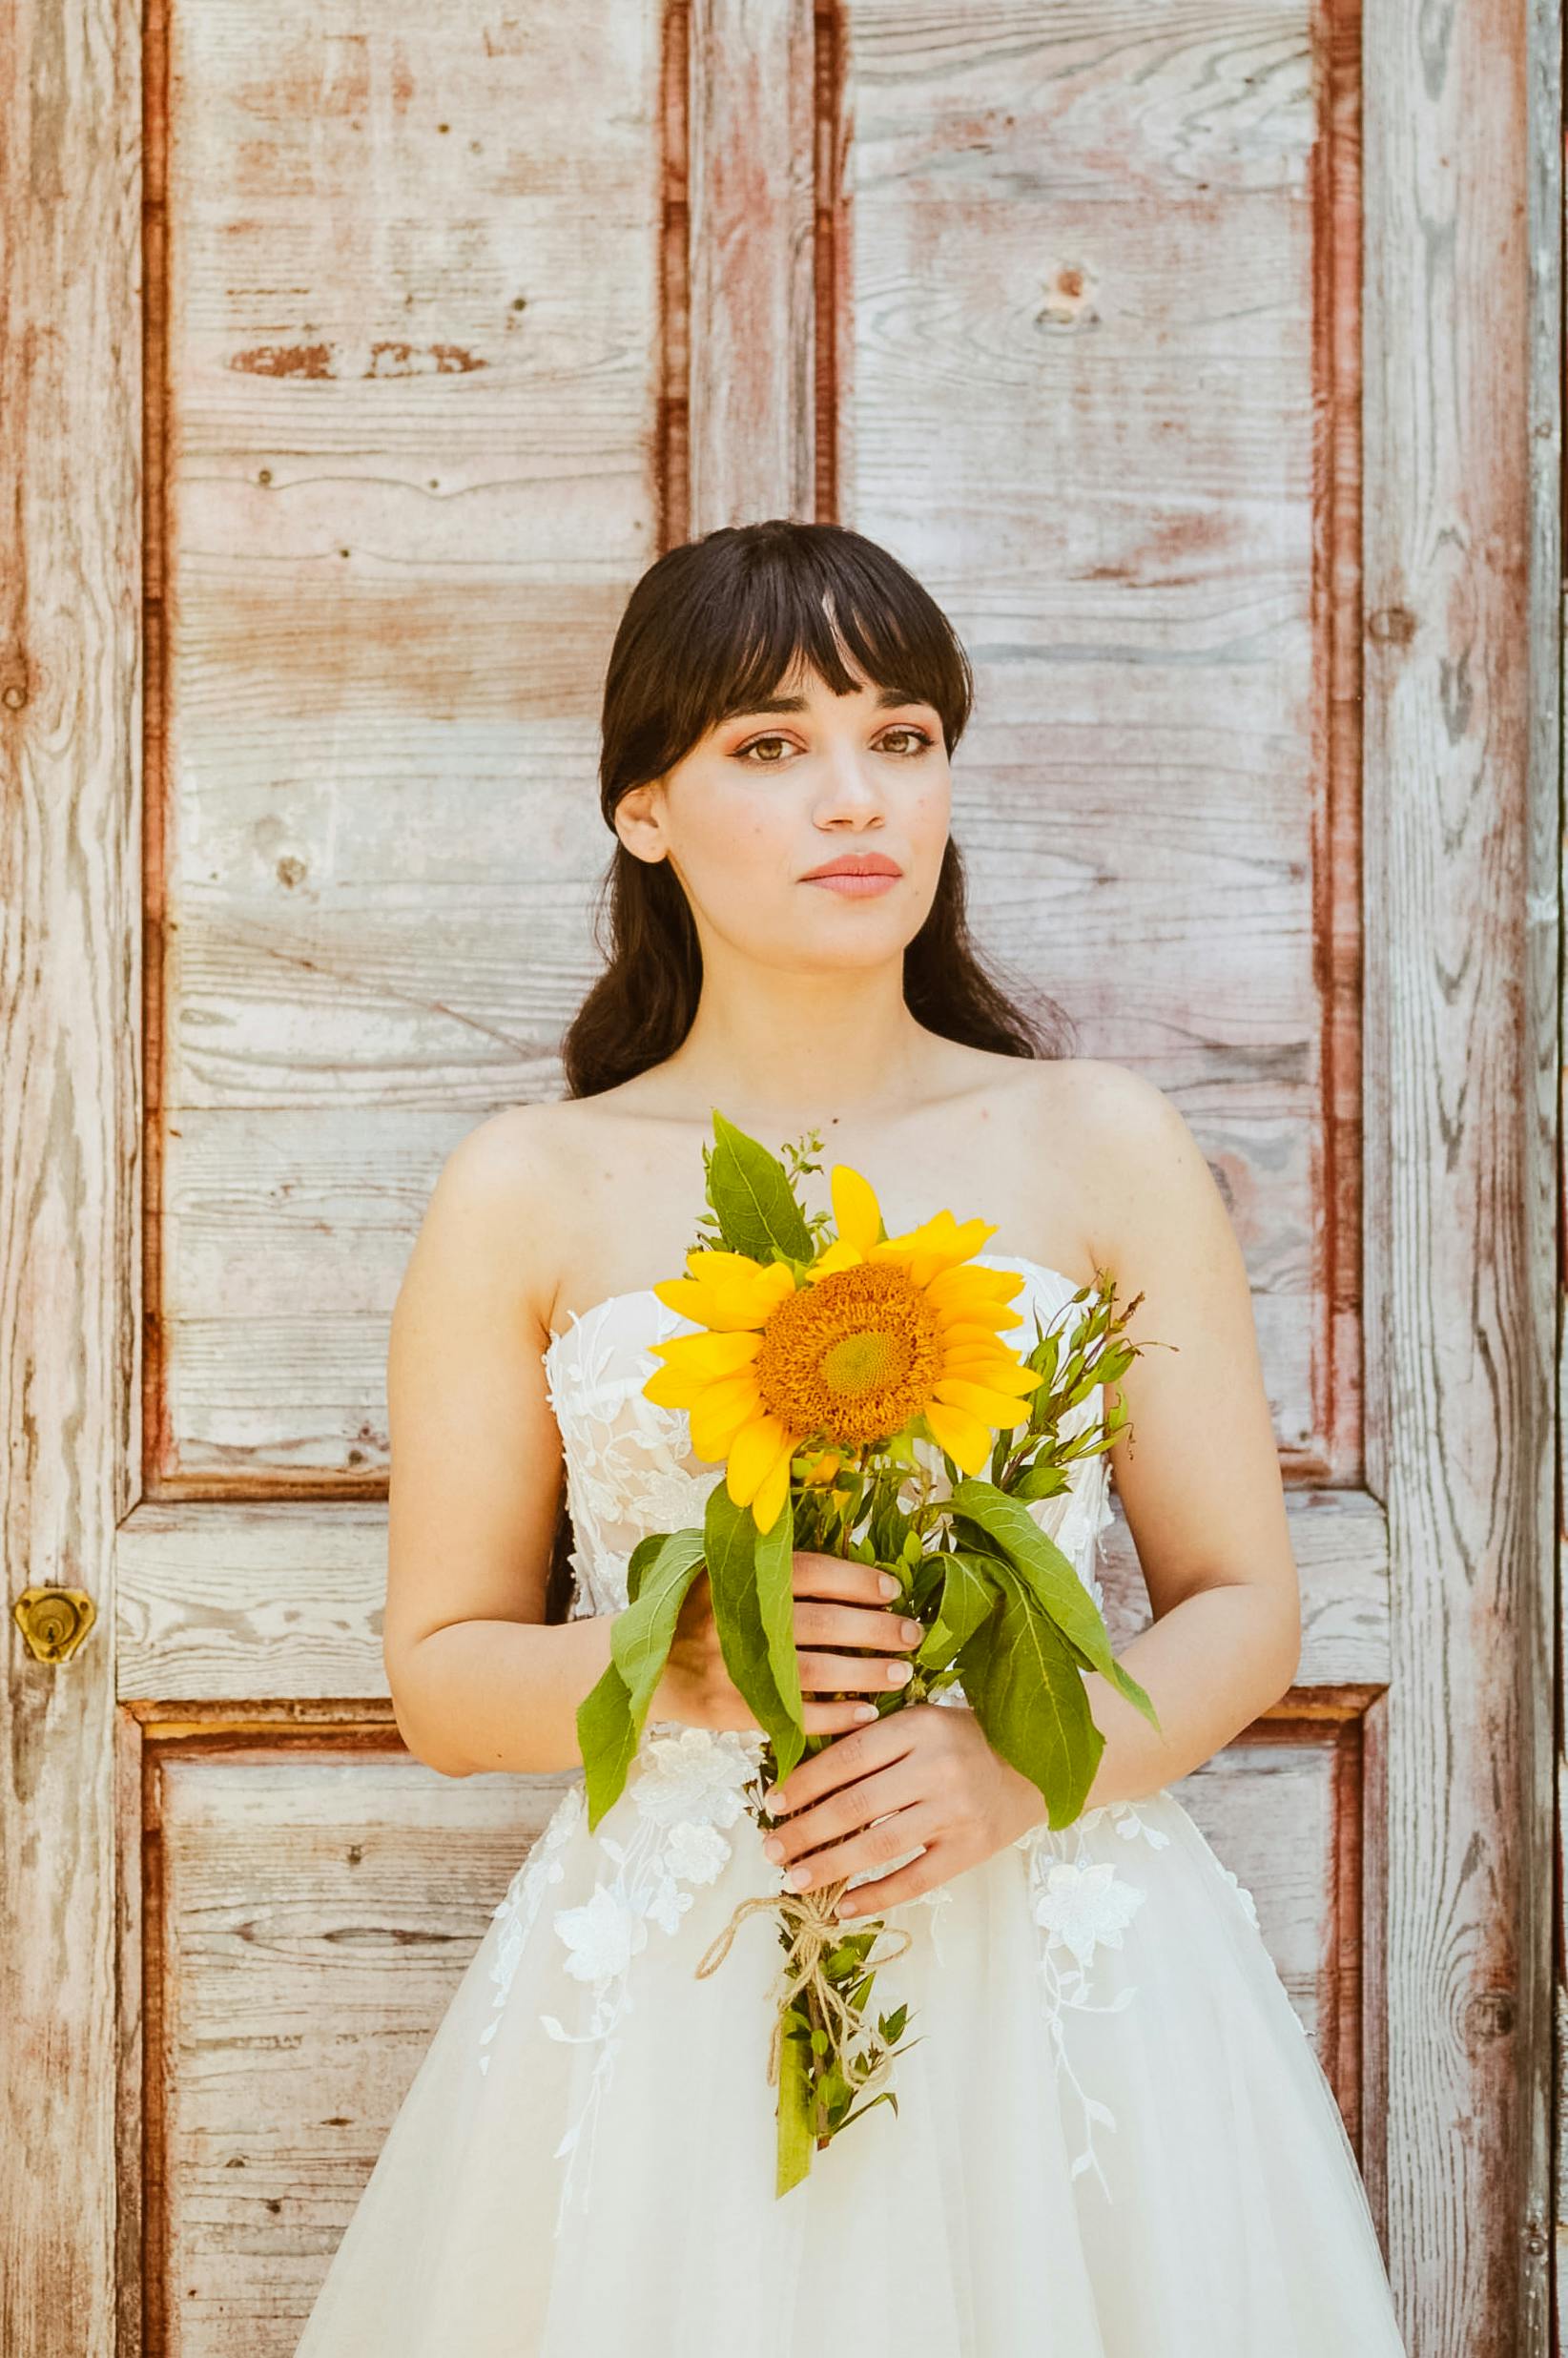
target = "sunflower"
x: 885, y: 1333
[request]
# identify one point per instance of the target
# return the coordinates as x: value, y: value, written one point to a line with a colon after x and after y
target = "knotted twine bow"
x: 816, y: 1930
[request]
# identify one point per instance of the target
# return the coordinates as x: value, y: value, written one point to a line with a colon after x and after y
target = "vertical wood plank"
x: 69, y: 720
x: 753, y: 345
x: 1461, y: 817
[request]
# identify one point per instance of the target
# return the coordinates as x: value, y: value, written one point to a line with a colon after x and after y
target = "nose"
x: 850, y: 789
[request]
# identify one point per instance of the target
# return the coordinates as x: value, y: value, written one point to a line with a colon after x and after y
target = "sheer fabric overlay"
x: 1113, y: 2136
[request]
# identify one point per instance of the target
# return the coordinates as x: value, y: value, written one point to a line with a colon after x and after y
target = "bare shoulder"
x: 1146, y: 1187
x: 489, y: 1220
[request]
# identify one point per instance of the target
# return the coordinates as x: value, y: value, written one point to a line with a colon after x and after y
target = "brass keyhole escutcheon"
x: 54, y: 1620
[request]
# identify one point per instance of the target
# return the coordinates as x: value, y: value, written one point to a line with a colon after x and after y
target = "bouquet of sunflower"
x: 834, y: 1375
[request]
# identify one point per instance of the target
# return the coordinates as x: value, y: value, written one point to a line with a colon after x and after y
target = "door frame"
x: 1460, y: 662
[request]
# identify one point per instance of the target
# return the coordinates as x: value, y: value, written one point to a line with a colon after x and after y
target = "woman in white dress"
x: 1112, y: 2138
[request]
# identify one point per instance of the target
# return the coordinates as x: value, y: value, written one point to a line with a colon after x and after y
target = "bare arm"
x: 479, y: 1680
x: 1198, y: 1473
x: 1198, y: 1469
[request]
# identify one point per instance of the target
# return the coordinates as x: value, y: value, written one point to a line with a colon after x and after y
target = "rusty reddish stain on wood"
x: 285, y: 361
x: 387, y: 358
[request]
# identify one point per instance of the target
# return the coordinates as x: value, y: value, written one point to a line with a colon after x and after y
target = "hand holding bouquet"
x: 828, y: 1374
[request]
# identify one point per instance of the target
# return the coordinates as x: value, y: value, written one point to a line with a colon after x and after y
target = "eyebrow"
x: 885, y: 698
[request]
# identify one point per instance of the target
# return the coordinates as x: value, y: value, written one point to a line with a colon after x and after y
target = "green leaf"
x: 796, y: 2139
x: 640, y: 1638
x: 730, y: 1539
x: 774, y: 1556
x: 749, y: 1190
x: 639, y: 1560
x: 1040, y: 1481
x: 610, y: 1717
x: 1039, y: 1561
x: 969, y: 1594
x: 883, y: 2095
x: 607, y: 1741
x: 1027, y: 1693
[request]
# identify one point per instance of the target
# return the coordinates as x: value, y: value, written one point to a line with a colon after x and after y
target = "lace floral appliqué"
x: 1081, y: 1905
x: 517, y: 1912
x: 689, y: 1786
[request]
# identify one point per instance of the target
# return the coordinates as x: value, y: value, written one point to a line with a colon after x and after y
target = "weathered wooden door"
x: 355, y: 362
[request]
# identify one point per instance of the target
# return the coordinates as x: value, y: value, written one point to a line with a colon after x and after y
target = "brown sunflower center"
x: 854, y: 1357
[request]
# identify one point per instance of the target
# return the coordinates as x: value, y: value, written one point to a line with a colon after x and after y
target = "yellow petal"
x: 942, y: 1242
x: 710, y: 1355
x: 838, y: 1255
x: 958, y: 1290
x: 716, y: 1261
x: 727, y: 1290
x: 995, y: 1407
x: 721, y: 1412
x: 983, y: 1367
x: 855, y: 1211
x: 963, y: 1437
x: 773, y: 1492
x: 672, y: 1387
x: 979, y: 1326
x: 753, y: 1455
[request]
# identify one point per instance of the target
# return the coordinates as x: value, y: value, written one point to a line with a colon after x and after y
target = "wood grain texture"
x: 752, y: 327
x: 867, y: 284
x: 315, y: 1905
x: 1105, y: 401
x: 450, y: 324
x: 412, y: 301
x: 1462, y: 802
x: 69, y: 716
x: 316, y: 1908
x: 277, y: 1597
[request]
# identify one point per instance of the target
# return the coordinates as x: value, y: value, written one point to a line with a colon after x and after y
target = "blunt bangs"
x: 717, y: 625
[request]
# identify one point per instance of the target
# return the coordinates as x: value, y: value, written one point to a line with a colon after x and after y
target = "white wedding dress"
x: 1113, y: 2138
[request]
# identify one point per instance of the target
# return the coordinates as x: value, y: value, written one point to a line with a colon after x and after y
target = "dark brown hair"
x: 711, y: 627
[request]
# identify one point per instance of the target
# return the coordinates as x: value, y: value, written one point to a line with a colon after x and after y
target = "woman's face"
x: 803, y: 780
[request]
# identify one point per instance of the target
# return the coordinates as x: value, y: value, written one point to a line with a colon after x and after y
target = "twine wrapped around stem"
x: 816, y: 1930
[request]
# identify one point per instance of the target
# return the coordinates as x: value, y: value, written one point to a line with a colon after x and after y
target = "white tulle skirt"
x: 1113, y: 2138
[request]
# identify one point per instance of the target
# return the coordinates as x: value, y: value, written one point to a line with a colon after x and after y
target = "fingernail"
x: 898, y: 1671
x: 888, y: 1585
x: 865, y: 1711
x: 774, y: 1846
x: 910, y: 1633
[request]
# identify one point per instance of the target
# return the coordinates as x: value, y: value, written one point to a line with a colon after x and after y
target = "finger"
x: 832, y: 1674
x: 838, y: 1816
x: 842, y: 1577
x: 855, y: 1756
x: 880, y: 1892
x: 832, y: 1719
x: 818, y: 1621
x: 874, y: 1846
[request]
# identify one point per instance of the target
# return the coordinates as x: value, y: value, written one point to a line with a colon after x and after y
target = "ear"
x: 639, y: 821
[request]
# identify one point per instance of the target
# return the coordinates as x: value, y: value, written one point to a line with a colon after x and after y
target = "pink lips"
x: 857, y: 879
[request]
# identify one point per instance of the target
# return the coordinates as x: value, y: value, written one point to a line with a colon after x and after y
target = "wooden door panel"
x: 1073, y: 337
x: 415, y: 366
x: 306, y: 1914
x: 1091, y: 353
x: 274, y: 1598
x: 390, y: 350
x: 308, y: 1902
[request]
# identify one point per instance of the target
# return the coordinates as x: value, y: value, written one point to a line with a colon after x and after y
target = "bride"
x: 1111, y: 2137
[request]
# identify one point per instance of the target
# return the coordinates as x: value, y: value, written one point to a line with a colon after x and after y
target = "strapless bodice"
x: 629, y: 1466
